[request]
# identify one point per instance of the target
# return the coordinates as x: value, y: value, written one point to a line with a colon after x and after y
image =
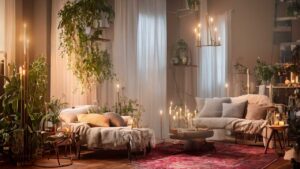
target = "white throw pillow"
x: 69, y: 115
x: 213, y: 107
x: 236, y: 110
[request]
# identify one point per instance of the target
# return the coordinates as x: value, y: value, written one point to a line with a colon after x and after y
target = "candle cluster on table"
x: 212, y: 35
x: 279, y: 119
x: 180, y: 116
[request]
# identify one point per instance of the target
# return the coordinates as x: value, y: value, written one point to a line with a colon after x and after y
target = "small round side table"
x: 275, y: 130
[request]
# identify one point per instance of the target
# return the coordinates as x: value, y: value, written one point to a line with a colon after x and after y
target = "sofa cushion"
x: 95, y: 120
x: 236, y: 110
x: 256, y: 112
x: 253, y: 99
x: 213, y: 107
x: 212, y: 122
x: 199, y: 103
x: 115, y: 120
x: 69, y: 115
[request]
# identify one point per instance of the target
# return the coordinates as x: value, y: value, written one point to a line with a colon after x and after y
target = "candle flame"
x: 160, y: 112
x: 226, y: 85
x: 211, y: 19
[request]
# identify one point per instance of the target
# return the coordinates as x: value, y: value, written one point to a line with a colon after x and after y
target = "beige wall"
x: 2, y: 24
x: 37, y: 16
x: 252, y: 37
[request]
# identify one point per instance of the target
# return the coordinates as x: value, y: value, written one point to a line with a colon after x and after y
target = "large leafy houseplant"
x: 37, y: 90
x: 82, y: 29
x: 10, y: 115
x: 33, y: 104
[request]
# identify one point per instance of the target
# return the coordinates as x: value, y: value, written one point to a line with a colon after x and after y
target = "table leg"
x: 268, y: 142
x: 279, y: 140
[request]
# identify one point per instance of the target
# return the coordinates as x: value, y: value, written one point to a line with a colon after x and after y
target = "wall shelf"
x: 283, y: 29
x: 287, y: 18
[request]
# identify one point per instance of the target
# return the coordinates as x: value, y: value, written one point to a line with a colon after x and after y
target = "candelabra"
x: 212, y: 37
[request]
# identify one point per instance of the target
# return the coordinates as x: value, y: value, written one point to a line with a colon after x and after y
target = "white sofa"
x: 220, y: 125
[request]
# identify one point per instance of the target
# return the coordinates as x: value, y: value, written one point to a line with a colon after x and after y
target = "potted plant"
x: 53, y: 110
x: 193, y: 4
x: 264, y: 72
x: 181, y: 53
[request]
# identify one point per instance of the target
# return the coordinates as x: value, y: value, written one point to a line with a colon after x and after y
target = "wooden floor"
x: 114, y: 160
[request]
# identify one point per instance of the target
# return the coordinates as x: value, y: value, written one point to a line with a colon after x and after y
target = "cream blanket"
x: 114, y: 137
x: 247, y: 126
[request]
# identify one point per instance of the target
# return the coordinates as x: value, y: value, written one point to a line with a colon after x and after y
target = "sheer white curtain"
x: 140, y: 55
x: 64, y: 84
x: 151, y: 57
x: 125, y: 45
x: 213, y: 62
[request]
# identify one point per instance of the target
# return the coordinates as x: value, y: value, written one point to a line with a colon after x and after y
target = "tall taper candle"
x: 248, y: 81
x: 161, y: 124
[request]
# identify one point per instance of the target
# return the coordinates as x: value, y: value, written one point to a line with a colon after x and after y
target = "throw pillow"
x: 256, y: 112
x: 115, y: 119
x: 213, y: 107
x: 95, y: 120
x: 236, y: 110
x: 69, y: 115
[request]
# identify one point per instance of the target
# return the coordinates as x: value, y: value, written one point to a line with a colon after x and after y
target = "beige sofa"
x: 106, y: 137
x: 223, y: 126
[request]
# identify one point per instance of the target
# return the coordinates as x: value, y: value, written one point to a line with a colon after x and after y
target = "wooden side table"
x: 275, y: 129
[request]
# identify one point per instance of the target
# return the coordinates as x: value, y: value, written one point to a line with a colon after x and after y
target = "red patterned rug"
x: 227, y: 156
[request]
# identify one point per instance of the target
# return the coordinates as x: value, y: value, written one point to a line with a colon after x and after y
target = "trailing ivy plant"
x: 81, y: 39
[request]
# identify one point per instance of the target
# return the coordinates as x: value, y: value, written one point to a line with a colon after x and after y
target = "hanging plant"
x: 82, y: 24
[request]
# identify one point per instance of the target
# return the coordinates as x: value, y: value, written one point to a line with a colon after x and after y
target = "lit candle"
x: 215, y: 34
x: 161, y: 124
x: 21, y: 72
x: 227, y: 89
x: 209, y: 29
x: 297, y: 79
x: 174, y: 121
x: 281, y: 123
x: 25, y: 39
x: 219, y: 40
x: 248, y: 81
